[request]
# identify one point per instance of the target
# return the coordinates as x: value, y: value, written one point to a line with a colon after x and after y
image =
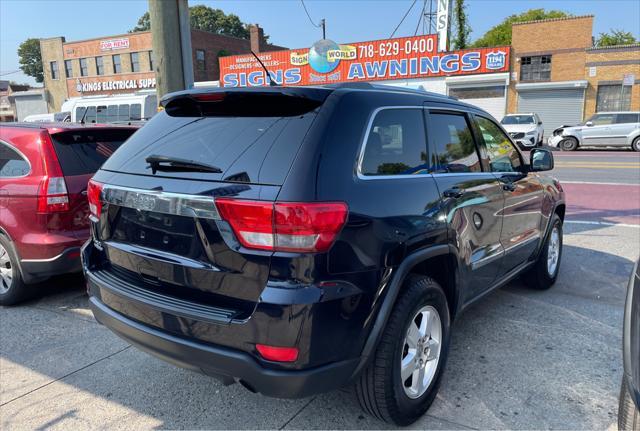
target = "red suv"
x: 44, y: 171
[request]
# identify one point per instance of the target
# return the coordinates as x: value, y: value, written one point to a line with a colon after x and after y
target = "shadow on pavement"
x: 519, y: 359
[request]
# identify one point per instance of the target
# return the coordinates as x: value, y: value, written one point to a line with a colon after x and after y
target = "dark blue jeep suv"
x: 297, y: 240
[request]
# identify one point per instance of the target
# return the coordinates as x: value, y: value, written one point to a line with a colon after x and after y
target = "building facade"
x: 125, y: 63
x: 7, y: 103
x: 558, y: 74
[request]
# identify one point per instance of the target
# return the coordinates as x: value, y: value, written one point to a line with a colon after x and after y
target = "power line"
x: 420, y: 19
x: 9, y: 73
x: 403, y: 18
x: 309, y: 16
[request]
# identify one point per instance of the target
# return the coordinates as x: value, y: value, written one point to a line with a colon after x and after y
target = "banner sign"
x: 113, y: 44
x: 110, y: 85
x: 326, y: 62
x: 442, y: 23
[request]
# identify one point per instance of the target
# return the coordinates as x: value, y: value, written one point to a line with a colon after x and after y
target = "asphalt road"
x: 519, y: 358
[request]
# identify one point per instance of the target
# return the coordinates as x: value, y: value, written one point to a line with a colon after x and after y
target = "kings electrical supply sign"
x: 327, y: 62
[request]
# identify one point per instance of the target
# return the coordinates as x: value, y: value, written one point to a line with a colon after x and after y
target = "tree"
x: 501, y: 33
x: 616, y: 37
x: 144, y: 24
x: 207, y: 19
x: 30, y: 59
x: 462, y: 28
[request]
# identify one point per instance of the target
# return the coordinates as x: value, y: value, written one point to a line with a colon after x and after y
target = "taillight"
x: 94, y: 192
x: 284, y: 226
x: 53, y: 196
x: 279, y: 354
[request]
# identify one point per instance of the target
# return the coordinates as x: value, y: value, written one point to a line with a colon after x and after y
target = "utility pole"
x: 171, y: 36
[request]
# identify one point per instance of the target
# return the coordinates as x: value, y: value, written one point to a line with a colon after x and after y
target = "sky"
x: 284, y: 21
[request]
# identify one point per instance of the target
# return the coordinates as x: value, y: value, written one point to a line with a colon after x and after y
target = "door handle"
x: 508, y: 187
x: 454, y: 192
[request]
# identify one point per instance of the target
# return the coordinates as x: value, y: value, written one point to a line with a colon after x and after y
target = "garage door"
x: 555, y: 107
x: 490, y: 98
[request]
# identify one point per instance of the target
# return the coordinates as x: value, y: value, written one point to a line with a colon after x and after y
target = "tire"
x: 12, y: 287
x: 380, y: 389
x: 628, y: 415
x: 635, y: 145
x: 544, y: 273
x: 568, y: 144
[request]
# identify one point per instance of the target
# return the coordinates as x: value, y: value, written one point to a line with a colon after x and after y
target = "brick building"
x: 125, y: 64
x: 557, y: 73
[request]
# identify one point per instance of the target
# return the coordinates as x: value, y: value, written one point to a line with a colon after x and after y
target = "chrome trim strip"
x: 51, y: 259
x: 486, y: 260
x: 161, y: 202
x: 517, y: 245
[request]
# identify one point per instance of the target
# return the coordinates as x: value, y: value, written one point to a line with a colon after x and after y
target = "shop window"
x: 454, y: 144
x: 201, y: 65
x: 396, y: 144
x: 536, y: 68
x: 135, y: 62
x: 613, y: 98
x: 117, y: 68
x: 68, y: 68
x: 99, y: 66
x: 477, y: 92
x: 150, y: 60
x: 84, y: 67
x: 53, y: 67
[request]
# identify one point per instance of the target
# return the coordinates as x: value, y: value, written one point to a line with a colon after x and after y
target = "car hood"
x: 519, y: 128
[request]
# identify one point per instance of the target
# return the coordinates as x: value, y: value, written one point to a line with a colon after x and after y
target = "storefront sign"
x: 442, y: 23
x: 327, y: 62
x: 123, y: 84
x: 113, y: 44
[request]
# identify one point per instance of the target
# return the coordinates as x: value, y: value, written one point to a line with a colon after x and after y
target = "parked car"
x: 629, y: 411
x: 525, y: 129
x: 44, y: 171
x: 297, y: 240
x: 606, y: 129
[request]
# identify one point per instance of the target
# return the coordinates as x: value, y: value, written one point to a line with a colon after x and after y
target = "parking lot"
x: 519, y: 358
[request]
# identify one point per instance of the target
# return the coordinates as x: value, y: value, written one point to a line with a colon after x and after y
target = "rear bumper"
x: 223, y: 362
x: 67, y: 262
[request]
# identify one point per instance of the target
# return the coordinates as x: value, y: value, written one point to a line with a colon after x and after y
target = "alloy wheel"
x: 553, y: 252
x: 6, y: 271
x: 421, y: 352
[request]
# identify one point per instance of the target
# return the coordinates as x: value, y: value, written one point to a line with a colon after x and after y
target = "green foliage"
x: 616, y: 37
x: 501, y: 33
x: 207, y: 19
x: 462, y: 28
x: 30, y: 59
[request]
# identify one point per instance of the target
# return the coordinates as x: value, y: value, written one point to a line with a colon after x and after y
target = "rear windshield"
x: 252, y: 149
x: 82, y: 152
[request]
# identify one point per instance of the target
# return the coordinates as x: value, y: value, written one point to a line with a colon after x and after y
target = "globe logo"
x: 318, y: 56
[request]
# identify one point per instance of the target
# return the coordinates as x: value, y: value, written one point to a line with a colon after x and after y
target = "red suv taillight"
x: 94, y: 191
x: 52, y: 194
x: 284, y: 226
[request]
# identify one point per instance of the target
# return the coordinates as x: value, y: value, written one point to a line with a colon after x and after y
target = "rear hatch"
x: 80, y: 153
x: 159, y: 227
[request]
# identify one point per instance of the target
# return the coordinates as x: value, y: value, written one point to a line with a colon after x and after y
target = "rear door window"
x: 396, y: 144
x: 627, y: 118
x: 455, y: 147
x: 12, y: 164
x: 84, y: 151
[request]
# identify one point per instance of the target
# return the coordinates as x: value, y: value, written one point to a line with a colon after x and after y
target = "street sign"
x: 628, y: 79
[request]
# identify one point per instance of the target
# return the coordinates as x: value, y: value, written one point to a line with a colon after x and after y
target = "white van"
x: 111, y: 109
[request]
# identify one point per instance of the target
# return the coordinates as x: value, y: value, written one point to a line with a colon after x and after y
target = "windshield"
x: 518, y: 119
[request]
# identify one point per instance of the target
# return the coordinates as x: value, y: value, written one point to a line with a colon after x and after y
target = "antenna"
x: 272, y: 83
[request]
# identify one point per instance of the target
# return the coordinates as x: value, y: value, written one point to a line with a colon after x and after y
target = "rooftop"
x: 567, y: 18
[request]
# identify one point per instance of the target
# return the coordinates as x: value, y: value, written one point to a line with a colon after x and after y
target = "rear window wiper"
x: 173, y: 164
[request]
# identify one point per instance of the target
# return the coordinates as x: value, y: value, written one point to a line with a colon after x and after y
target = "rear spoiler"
x: 244, y: 102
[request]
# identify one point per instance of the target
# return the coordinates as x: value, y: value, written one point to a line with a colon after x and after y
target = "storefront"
x: 477, y: 76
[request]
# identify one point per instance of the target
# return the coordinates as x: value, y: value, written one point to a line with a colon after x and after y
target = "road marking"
x: 598, y: 183
x: 601, y: 223
x: 597, y: 167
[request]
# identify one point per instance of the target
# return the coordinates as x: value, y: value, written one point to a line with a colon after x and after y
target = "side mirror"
x: 540, y: 160
x: 539, y: 123
x: 589, y: 123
